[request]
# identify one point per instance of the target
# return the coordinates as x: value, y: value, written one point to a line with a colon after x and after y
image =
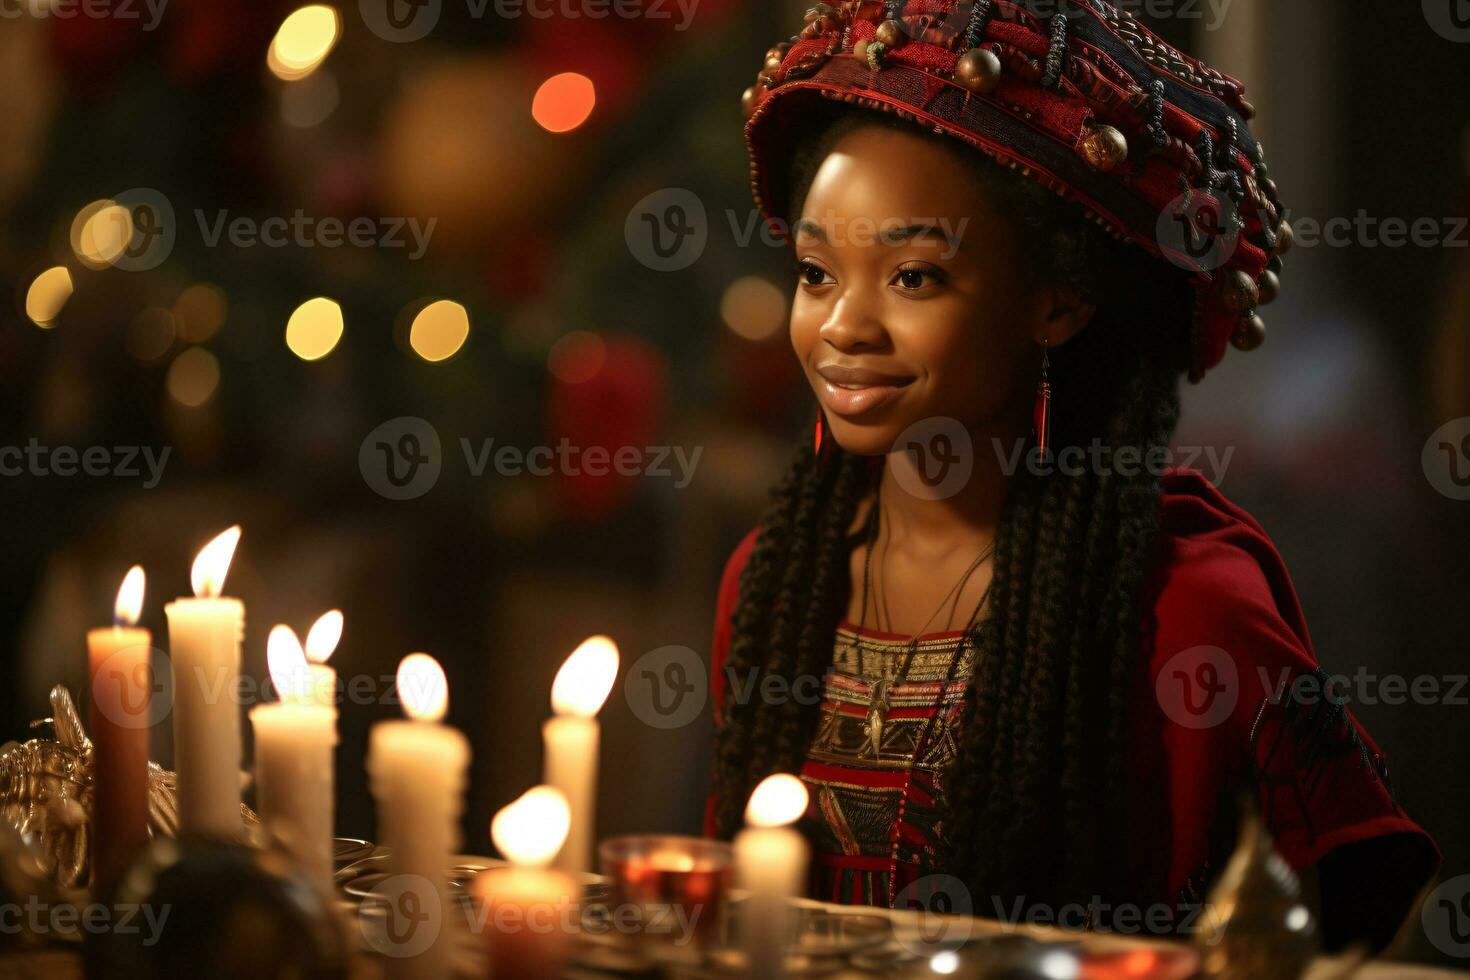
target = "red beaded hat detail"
x: 1076, y: 94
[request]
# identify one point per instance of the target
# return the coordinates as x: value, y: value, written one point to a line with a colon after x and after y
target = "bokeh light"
x: 47, y: 295
x: 576, y: 357
x: 151, y: 335
x: 100, y: 232
x: 754, y: 308
x: 440, y: 330
x: 199, y: 312
x: 310, y: 101
x: 193, y: 377
x: 303, y: 42
x: 563, y: 102
x: 314, y: 328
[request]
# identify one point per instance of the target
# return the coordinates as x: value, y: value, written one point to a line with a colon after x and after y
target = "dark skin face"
x: 912, y: 305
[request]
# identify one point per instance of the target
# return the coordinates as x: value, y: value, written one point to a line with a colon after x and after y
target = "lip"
x: 850, y: 391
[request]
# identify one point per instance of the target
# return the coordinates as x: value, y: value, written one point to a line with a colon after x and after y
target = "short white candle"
x: 417, y: 772
x: 121, y: 693
x: 771, y: 864
x: 527, y: 908
x: 294, y: 741
x: 571, y: 741
x: 321, y: 642
x: 204, y: 636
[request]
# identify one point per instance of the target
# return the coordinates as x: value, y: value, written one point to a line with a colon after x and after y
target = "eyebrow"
x: 886, y: 236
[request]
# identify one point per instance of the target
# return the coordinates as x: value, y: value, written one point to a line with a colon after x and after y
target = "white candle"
x: 294, y: 741
x: 321, y: 641
x: 417, y: 772
x: 527, y: 908
x: 121, y: 689
x: 571, y: 740
x: 771, y: 865
x: 204, y: 635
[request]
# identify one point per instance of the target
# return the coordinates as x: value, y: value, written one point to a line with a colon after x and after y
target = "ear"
x: 1064, y: 314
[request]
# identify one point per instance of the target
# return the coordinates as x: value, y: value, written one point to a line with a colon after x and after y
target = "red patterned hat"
x: 1151, y: 143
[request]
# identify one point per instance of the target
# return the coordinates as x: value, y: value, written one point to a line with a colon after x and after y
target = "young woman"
x: 998, y: 637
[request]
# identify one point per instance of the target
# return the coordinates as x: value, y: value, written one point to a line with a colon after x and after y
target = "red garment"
x: 1227, y: 618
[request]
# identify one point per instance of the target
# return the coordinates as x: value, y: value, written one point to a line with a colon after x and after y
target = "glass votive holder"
x: 667, y: 888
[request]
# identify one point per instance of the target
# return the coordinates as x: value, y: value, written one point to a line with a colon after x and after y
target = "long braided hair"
x: 1034, y: 803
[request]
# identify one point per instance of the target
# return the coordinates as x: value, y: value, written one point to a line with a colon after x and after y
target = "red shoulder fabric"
x: 1235, y: 702
x: 719, y: 650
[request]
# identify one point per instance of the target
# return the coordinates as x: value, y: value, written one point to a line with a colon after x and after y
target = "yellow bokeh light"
x: 100, y: 232
x: 440, y: 330
x: 754, y: 308
x: 47, y: 295
x: 193, y: 377
x: 199, y: 312
x: 303, y: 42
x: 563, y: 102
x: 314, y: 329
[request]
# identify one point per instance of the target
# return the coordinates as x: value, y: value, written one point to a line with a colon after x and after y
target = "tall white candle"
x: 771, y: 864
x: 121, y: 692
x: 525, y: 907
x: 294, y: 741
x: 417, y: 772
x: 571, y: 740
x: 204, y: 636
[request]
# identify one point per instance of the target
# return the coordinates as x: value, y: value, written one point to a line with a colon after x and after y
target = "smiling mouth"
x: 850, y: 393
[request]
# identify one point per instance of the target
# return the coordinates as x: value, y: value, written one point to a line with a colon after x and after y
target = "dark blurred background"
x: 577, y: 332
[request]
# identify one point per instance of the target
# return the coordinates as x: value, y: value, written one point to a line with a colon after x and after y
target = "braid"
x: 1037, y: 791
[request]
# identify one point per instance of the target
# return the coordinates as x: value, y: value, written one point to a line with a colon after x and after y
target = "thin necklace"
x: 878, y: 693
x: 880, y: 689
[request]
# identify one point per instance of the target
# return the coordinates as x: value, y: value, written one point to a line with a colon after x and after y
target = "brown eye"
x: 811, y: 275
x: 916, y: 278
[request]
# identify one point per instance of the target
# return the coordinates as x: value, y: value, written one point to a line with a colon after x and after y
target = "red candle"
x: 121, y: 688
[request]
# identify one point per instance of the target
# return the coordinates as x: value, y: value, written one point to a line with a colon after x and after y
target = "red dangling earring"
x: 819, y: 434
x: 1041, y: 411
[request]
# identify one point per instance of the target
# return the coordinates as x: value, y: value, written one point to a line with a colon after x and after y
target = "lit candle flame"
x: 531, y: 830
x: 778, y: 800
x: 422, y: 687
x: 129, y: 605
x: 287, y: 664
x: 586, y: 679
x: 324, y: 636
x: 213, y: 563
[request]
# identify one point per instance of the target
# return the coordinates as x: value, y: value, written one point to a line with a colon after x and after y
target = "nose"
x: 854, y: 325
